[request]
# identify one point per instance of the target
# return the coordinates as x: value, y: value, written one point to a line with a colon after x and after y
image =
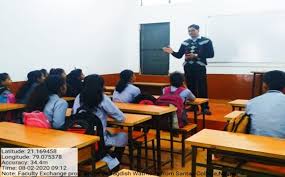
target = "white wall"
x: 88, y: 34
x: 197, y: 11
x: 102, y: 36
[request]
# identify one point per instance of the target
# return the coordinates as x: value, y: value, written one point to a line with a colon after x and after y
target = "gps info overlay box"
x: 39, y: 162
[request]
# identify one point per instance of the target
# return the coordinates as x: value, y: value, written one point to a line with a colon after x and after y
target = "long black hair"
x: 125, y: 77
x: 74, y: 82
x: 3, y: 78
x: 176, y: 79
x: 33, y: 77
x: 57, y: 71
x: 92, y: 93
x: 44, y: 72
x: 40, y: 95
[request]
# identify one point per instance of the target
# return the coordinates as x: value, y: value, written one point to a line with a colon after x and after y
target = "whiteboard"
x: 258, y: 37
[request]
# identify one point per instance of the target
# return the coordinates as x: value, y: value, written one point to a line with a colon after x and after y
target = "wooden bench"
x: 137, y: 137
x: 258, y: 168
x: 185, y: 133
x: 234, y: 114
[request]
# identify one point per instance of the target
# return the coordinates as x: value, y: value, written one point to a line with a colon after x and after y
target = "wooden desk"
x: 32, y: 137
x: 68, y: 98
x: 130, y: 173
x: 234, y: 115
x: 151, y: 87
x: 239, y: 103
x: 157, y: 113
x: 198, y: 102
x: 255, y: 73
x: 145, y: 109
x: 109, y: 88
x: 248, y: 147
x: 10, y: 107
x: 16, y: 109
x: 130, y: 121
x: 153, y: 84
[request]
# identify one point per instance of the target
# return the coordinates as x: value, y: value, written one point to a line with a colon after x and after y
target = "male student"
x: 196, y: 50
x: 267, y: 111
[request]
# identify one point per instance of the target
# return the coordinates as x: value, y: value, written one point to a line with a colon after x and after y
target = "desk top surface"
x: 155, y: 84
x: 68, y: 98
x: 10, y: 107
x: 145, y: 109
x: 26, y: 136
x: 239, y: 102
x: 110, y: 88
x: 131, y: 120
x: 240, y: 143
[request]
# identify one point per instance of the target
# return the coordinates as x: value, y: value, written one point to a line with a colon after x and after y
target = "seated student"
x: 45, y: 73
x: 46, y: 97
x: 125, y: 91
x: 92, y: 96
x: 177, y: 81
x: 58, y: 71
x: 267, y: 111
x: 34, y: 78
x: 74, y: 80
x: 6, y: 95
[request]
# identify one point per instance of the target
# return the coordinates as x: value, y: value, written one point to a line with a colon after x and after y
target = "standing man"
x: 196, y: 50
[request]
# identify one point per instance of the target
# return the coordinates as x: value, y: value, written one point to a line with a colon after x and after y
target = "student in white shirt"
x: 125, y: 91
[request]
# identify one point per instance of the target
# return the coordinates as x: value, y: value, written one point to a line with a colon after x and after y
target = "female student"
x: 58, y: 71
x: 92, y: 96
x: 125, y: 91
x: 5, y: 94
x: 46, y: 98
x: 177, y: 87
x: 74, y: 80
x: 177, y: 82
x: 34, y: 78
x: 45, y: 73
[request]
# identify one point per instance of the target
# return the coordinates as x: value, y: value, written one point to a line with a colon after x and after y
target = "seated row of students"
x: 46, y: 97
x: 267, y: 111
x: 126, y: 92
x: 36, y: 77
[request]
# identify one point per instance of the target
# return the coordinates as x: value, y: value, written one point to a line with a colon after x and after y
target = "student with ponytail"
x: 125, y: 90
x: 34, y: 79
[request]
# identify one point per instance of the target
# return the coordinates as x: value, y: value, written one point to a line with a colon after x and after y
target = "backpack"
x: 36, y: 119
x: 86, y: 122
x: 7, y: 97
x: 145, y: 98
x: 239, y: 124
x: 173, y: 98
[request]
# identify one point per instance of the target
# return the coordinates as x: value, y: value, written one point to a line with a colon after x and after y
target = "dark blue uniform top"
x: 202, y: 46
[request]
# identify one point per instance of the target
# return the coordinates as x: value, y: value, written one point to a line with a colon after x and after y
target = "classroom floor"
x: 219, y: 109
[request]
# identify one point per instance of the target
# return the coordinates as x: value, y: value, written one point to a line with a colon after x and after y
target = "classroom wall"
x: 181, y: 16
x: 88, y: 34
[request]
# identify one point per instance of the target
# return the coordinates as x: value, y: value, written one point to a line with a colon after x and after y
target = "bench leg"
x: 153, y: 156
x: 139, y: 151
x: 194, y: 154
x: 210, y: 170
x: 183, y: 150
